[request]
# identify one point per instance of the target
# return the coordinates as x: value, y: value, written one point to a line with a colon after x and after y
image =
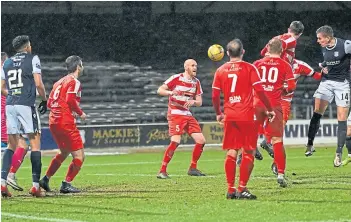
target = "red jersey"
x: 3, y: 119
x: 64, y: 100
x: 188, y: 89
x: 300, y: 68
x: 236, y: 80
x: 289, y: 45
x: 274, y: 72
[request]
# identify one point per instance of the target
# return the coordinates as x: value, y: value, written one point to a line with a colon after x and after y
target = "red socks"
x: 17, y: 159
x: 230, y: 169
x: 54, y: 165
x: 168, y: 155
x: 279, y: 156
x: 196, y: 154
x: 73, y: 169
x: 246, y: 168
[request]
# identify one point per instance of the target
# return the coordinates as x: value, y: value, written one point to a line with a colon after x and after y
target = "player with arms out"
x: 64, y: 102
x: 22, y: 147
x: 335, y: 83
x: 274, y: 73
x: 238, y: 80
x: 184, y: 91
x: 289, y: 41
x: 21, y: 78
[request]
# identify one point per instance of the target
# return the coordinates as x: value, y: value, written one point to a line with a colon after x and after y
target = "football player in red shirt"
x: 64, y: 104
x: 274, y: 72
x: 238, y: 80
x: 289, y: 41
x: 300, y: 68
x: 184, y: 91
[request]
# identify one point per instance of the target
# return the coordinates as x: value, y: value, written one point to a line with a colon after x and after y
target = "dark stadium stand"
x: 124, y: 93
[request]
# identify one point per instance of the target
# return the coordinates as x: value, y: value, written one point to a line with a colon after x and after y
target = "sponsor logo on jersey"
x: 235, y: 99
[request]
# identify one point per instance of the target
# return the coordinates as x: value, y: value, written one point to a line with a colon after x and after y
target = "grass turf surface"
x: 125, y: 188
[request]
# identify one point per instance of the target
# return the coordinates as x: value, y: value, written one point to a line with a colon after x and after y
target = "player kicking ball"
x: 64, y: 104
x: 184, y: 91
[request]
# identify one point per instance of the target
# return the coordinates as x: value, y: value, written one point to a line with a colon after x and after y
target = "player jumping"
x: 184, y: 91
x: 335, y: 83
x: 237, y: 79
x: 64, y: 104
x: 289, y: 41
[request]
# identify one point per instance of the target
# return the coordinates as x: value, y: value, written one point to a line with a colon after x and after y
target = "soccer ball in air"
x: 215, y: 52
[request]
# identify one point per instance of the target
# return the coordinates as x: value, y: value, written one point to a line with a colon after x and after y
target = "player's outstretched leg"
x: 247, y: 165
x: 17, y: 160
x: 73, y: 170
x: 53, y: 167
x: 312, y: 131
x: 166, y: 159
x: 16, y: 163
x: 198, y: 149
x: 230, y: 169
x: 348, y: 146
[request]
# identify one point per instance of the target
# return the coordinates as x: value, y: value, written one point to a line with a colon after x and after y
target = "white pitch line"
x: 139, y: 175
x: 38, y: 218
x: 154, y: 162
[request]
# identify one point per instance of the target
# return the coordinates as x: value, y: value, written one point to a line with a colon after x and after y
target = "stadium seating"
x: 121, y: 93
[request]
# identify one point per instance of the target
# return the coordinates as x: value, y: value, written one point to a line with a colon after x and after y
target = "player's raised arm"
x: 289, y: 78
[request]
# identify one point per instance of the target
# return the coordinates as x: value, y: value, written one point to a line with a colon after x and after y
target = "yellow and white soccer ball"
x: 215, y: 52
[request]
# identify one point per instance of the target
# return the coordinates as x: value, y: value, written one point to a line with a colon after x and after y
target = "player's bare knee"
x: 275, y: 140
x: 232, y: 153
x: 200, y: 140
x: 176, y: 138
x: 349, y: 130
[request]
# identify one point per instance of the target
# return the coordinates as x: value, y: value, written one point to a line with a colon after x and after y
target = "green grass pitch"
x: 125, y: 188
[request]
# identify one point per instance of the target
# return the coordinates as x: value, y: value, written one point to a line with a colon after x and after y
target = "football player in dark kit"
x: 335, y: 83
x: 20, y: 80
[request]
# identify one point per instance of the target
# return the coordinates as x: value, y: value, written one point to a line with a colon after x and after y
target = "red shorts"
x: 271, y: 129
x: 240, y: 134
x: 286, y: 110
x: 179, y: 124
x: 67, y: 137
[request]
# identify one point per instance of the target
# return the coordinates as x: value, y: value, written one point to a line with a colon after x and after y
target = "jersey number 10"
x: 272, y: 74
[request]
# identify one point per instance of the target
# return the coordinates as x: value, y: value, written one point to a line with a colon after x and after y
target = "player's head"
x: 325, y: 35
x: 3, y: 57
x: 235, y: 49
x: 22, y: 44
x: 275, y: 47
x: 190, y: 67
x: 296, y: 28
x: 74, y: 65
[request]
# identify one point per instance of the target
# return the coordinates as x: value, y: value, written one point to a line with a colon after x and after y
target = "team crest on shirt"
x: 336, y: 54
